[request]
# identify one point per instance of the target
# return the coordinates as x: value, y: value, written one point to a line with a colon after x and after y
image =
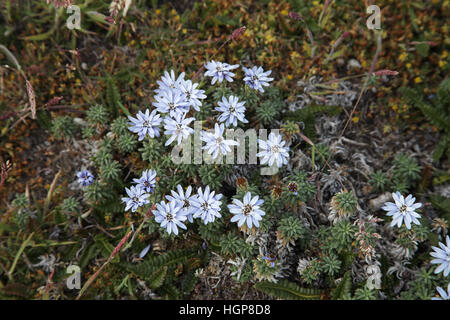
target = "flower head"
x: 273, y: 150
x: 137, y: 197
x: 191, y: 94
x: 232, y: 110
x: 171, y: 101
x: 219, y: 71
x: 402, y: 210
x: 293, y: 187
x: 248, y: 211
x: 442, y: 256
x: 170, y: 216
x: 207, y: 205
x: 178, y: 128
x: 256, y: 78
x: 145, y: 123
x: 85, y: 178
x: 185, y: 200
x: 169, y: 81
x: 215, y: 142
x: 147, y: 180
x: 444, y: 295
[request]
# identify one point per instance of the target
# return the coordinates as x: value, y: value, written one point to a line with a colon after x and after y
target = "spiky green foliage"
x: 87, y: 132
x: 312, y: 272
x: 287, y: 290
x: 20, y: 201
x: 151, y: 150
x: 231, y: 245
x: 436, y: 111
x: 210, y: 176
x: 331, y: 264
x: 267, y: 112
x: 63, y: 127
x: 126, y: 142
x: 406, y: 168
x: 343, y: 289
x: 378, y: 180
x: 291, y: 228
x: 344, y: 203
x: 343, y: 234
x: 97, y: 114
x: 110, y: 170
x: 119, y: 126
x: 70, y: 205
x: 97, y: 192
x: 265, y: 270
x: 211, y: 231
x: 365, y: 294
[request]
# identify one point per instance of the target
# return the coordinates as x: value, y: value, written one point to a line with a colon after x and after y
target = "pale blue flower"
x: 137, y: 197
x: 403, y: 210
x: 273, y: 150
x: 85, y: 178
x: 256, y: 78
x: 185, y: 200
x: 192, y: 94
x: 145, y: 123
x: 171, y: 101
x: 444, y: 295
x: 442, y: 256
x: 170, y: 216
x: 220, y: 71
x: 248, y: 211
x: 169, y: 81
x: 207, y: 205
x: 147, y: 181
x: 232, y: 110
x: 178, y: 128
x: 215, y: 142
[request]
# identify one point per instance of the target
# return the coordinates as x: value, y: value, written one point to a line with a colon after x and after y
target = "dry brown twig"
x: 5, y: 169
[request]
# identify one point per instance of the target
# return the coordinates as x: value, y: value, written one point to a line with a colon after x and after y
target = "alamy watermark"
x: 190, y: 151
x: 74, y: 20
x: 374, y: 21
x: 73, y: 281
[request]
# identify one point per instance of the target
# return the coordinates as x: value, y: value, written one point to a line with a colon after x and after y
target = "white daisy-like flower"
x: 403, y: 210
x: 248, y: 211
x: 170, y: 216
x: 192, y: 94
x: 220, y: 71
x: 137, y: 197
x: 207, y: 205
x: 171, y: 101
x: 169, y: 81
x: 215, y: 142
x: 273, y: 150
x: 444, y: 295
x: 442, y: 256
x: 178, y: 128
x: 185, y: 200
x: 256, y: 78
x: 147, y: 181
x: 145, y: 123
x: 232, y: 110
